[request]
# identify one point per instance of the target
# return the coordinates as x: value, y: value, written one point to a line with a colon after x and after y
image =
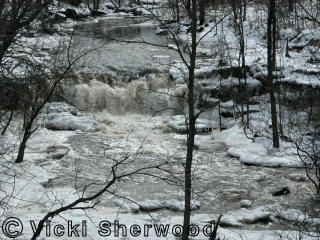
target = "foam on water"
x: 138, y: 96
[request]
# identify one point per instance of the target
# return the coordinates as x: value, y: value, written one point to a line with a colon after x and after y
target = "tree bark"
x: 4, y: 130
x: 271, y: 52
x: 22, y: 148
x: 202, y: 10
x: 191, y: 124
x: 244, y: 10
x: 177, y: 10
x: 291, y: 4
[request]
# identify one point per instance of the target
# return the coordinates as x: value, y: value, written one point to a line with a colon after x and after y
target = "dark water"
x: 116, y: 28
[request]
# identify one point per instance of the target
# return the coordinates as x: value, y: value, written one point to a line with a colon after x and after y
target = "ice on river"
x: 258, y: 153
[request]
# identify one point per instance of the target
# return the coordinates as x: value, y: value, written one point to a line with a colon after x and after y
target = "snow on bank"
x: 289, y: 214
x: 22, y: 185
x: 245, y: 216
x: 130, y: 205
x: 255, y: 153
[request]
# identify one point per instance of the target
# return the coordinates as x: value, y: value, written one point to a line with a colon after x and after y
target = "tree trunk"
x: 177, y: 10
x: 7, y: 124
x: 244, y: 71
x: 219, y: 104
x: 271, y: 65
x: 22, y: 148
x: 291, y: 4
x: 192, y: 122
x: 244, y: 10
x: 280, y: 116
x: 202, y: 9
x: 214, y: 4
x: 188, y: 5
x: 275, y: 134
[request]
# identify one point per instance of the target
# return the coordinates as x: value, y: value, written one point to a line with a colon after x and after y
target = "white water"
x: 150, y: 95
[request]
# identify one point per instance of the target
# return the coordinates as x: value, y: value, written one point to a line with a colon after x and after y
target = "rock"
x: 58, y: 155
x: 283, y: 191
x: 201, y: 29
x: 71, y: 13
x: 59, y: 17
x: 137, y: 12
x: 58, y: 152
x: 48, y: 29
x: 245, y: 203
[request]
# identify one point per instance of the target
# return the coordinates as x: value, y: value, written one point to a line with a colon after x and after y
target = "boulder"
x: 57, y: 152
x: 59, y: 17
x: 71, y: 13
x: 282, y: 191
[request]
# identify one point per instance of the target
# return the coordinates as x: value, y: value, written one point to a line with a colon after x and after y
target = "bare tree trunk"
x: 291, y: 4
x: 7, y: 124
x: 187, y: 4
x: 271, y: 66
x: 192, y: 122
x: 243, y: 61
x: 244, y: 10
x: 244, y: 74
x: 280, y: 112
x: 219, y: 106
x: 22, y: 148
x: 214, y: 4
x: 97, y: 5
x: 177, y: 10
x: 202, y: 9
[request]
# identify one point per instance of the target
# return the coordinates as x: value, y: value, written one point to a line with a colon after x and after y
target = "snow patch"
x: 254, y: 153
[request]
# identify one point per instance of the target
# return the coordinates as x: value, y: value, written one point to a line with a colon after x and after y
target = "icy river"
x: 127, y: 128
